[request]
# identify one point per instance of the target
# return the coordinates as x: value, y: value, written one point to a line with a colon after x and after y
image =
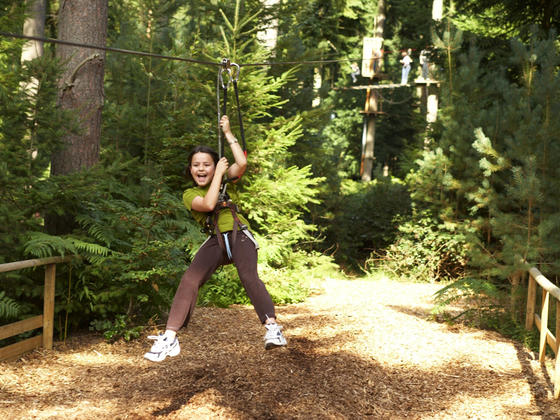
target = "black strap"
x: 224, y: 109
x: 233, y: 77
x: 241, y: 130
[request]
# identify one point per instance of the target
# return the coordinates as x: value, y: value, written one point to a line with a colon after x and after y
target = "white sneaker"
x: 162, y: 348
x: 273, y: 337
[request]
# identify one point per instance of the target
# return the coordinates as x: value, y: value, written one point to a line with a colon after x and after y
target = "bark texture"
x: 81, y: 92
x: 81, y: 84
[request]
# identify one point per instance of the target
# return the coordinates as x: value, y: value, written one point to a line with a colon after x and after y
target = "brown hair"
x: 200, y: 149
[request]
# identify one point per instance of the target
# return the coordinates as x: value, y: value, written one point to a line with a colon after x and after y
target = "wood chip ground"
x: 357, y: 349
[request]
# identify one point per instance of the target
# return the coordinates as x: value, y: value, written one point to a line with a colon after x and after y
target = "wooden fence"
x: 45, y: 321
x: 541, y: 320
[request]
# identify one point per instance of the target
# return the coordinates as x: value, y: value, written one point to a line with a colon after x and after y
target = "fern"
x: 9, y: 308
x: 42, y: 245
x: 89, y: 248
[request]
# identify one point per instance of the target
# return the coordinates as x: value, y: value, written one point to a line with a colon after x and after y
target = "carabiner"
x: 226, y: 65
x: 235, y: 75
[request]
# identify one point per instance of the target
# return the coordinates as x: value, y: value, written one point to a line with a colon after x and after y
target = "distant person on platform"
x: 425, y: 62
x: 355, y: 72
x: 406, y: 61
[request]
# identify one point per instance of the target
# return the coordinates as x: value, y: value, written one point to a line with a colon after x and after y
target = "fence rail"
x: 536, y: 278
x: 45, y: 321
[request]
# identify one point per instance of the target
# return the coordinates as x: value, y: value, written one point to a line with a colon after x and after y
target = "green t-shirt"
x: 225, y: 218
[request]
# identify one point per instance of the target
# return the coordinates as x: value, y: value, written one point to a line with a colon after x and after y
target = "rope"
x: 239, y: 117
x: 110, y: 49
x: 169, y: 57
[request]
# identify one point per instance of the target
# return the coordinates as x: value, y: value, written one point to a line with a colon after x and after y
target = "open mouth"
x: 201, y: 179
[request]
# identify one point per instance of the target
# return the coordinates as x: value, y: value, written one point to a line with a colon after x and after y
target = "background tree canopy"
x: 468, y: 198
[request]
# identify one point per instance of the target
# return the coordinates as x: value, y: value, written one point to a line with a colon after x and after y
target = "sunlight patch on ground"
x: 96, y: 358
x: 500, y: 406
x: 208, y: 404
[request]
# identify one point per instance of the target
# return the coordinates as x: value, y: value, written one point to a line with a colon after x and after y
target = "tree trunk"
x: 380, y: 21
x: 268, y: 36
x: 371, y: 97
x: 81, y: 84
x: 34, y: 25
x: 80, y: 91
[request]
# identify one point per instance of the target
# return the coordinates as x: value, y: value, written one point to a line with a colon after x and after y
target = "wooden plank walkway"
x: 390, y: 85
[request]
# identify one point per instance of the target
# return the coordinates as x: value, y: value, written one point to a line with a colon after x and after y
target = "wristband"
x: 232, y: 142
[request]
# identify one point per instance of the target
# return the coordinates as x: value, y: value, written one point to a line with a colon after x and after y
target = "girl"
x: 230, y: 242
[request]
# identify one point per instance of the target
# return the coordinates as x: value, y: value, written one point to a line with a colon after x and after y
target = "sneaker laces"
x: 161, y: 342
x: 272, y: 331
x: 155, y: 337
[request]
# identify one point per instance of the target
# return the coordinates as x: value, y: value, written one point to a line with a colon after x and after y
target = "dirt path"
x: 360, y: 349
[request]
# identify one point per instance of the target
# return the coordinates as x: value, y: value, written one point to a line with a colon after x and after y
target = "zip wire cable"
x: 168, y: 57
x: 110, y: 49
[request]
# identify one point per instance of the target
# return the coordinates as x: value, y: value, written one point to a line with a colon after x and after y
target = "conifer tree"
x: 494, y: 167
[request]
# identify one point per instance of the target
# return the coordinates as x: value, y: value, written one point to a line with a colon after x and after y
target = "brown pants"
x: 208, y: 258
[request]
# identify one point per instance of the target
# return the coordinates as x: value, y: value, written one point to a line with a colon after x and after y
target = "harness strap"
x: 232, y: 71
x: 239, y: 117
x: 237, y: 224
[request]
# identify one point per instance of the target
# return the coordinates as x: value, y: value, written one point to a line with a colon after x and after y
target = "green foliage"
x: 467, y: 288
x: 223, y: 289
x: 42, y: 245
x: 119, y: 328
x: 30, y: 125
x: 481, y: 304
x: 293, y: 282
x: 494, y: 171
x: 365, y: 217
x: 424, y: 250
x: 290, y: 283
x: 481, y: 181
x: 9, y: 308
x: 134, y: 240
x: 508, y: 18
x: 130, y: 227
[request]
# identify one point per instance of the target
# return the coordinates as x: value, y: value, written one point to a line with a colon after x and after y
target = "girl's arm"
x: 208, y: 202
x: 237, y: 169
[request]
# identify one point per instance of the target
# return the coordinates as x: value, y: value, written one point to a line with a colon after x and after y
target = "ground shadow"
x: 223, y: 366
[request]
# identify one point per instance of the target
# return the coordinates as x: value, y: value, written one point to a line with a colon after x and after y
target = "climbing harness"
x: 225, y: 202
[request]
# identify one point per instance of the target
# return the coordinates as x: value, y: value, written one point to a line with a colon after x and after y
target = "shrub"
x: 364, y: 220
x: 424, y: 250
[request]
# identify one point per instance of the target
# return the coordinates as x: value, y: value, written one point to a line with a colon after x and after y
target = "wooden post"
x: 557, y: 332
x: 368, y: 152
x: 544, y: 326
x: 48, y: 306
x: 531, y: 301
x: 556, y: 380
x: 369, y: 157
x: 371, y: 108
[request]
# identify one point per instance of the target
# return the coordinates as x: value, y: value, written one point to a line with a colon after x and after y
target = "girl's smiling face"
x: 202, y: 168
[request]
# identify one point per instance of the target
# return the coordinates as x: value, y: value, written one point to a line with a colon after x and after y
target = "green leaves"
x: 9, y: 308
x: 42, y: 245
